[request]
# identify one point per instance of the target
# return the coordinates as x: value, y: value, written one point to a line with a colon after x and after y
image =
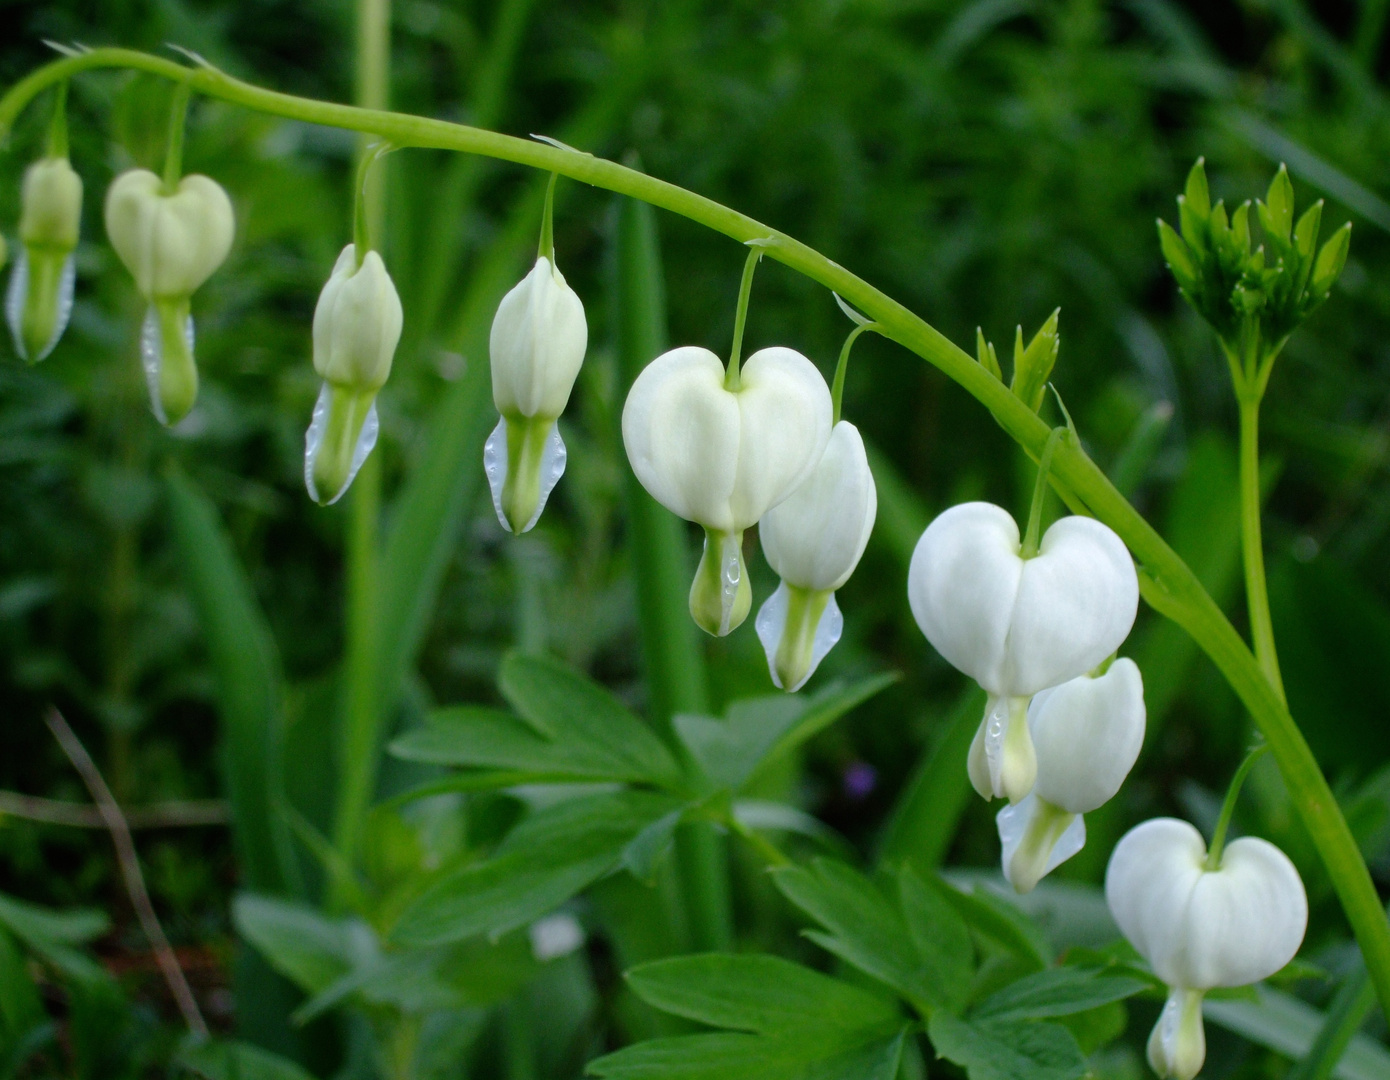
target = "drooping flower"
x: 537, y: 346
x: 1087, y: 734
x: 814, y: 539
x: 39, y: 299
x: 724, y: 457
x: 1202, y: 928
x: 171, y: 241
x: 357, y: 325
x: 1019, y: 625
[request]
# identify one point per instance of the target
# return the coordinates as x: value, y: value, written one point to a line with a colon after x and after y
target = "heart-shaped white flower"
x: 814, y: 539
x: 1202, y: 928
x: 1019, y: 625
x: 724, y: 457
x: 1087, y: 734
x: 171, y: 242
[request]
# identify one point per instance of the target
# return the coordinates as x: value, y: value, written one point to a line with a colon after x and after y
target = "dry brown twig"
x: 117, y: 825
x: 162, y: 815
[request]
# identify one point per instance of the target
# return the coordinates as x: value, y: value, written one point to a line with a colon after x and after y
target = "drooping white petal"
x: 1201, y: 929
x: 552, y: 466
x: 153, y: 355
x: 815, y: 537
x: 1035, y: 838
x: 961, y: 586
x: 772, y: 630
x: 537, y: 344
x: 1087, y: 734
x: 313, y: 446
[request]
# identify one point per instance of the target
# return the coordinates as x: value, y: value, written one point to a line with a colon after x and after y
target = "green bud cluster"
x: 1033, y: 363
x: 1246, y: 294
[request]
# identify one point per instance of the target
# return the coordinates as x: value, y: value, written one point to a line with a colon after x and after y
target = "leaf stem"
x: 1167, y: 583
x: 837, y: 388
x: 745, y: 290
x: 1228, y: 807
x: 58, y: 125
x: 1032, y: 537
x: 546, y: 249
x: 1252, y: 544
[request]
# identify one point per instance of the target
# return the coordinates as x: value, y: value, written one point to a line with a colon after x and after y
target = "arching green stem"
x: 1166, y: 582
x: 1228, y: 808
x: 745, y: 289
x: 173, y: 152
x: 547, y: 245
x: 837, y: 388
x: 361, y: 205
x: 58, y: 126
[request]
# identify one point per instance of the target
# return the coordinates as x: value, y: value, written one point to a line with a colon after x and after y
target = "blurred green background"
x: 982, y: 162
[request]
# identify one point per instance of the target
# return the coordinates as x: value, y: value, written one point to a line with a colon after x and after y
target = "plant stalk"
x: 1252, y: 544
x: 1167, y: 583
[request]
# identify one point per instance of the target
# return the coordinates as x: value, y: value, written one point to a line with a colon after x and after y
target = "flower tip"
x: 720, y: 596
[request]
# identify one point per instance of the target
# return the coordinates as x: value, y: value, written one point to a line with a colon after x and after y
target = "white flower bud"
x: 39, y: 299
x: 357, y: 325
x: 722, y: 457
x: 814, y: 539
x: 1201, y: 928
x: 537, y: 346
x: 1087, y: 734
x: 171, y: 242
x: 1019, y: 625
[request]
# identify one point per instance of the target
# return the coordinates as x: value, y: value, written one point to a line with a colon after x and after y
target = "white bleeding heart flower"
x: 1019, y: 625
x: 171, y: 241
x: 724, y: 457
x: 357, y: 325
x: 814, y: 539
x: 1087, y: 734
x: 537, y: 346
x: 1202, y: 928
x: 39, y: 298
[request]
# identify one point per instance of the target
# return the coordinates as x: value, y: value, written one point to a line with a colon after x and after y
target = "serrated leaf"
x: 574, y: 712
x: 758, y: 730
x: 764, y: 995
x: 1007, y: 1051
x: 229, y: 1060
x: 544, y: 861
x: 864, y: 929
x: 300, y: 942
x: 1004, y: 923
x: 1056, y: 992
x: 940, y: 935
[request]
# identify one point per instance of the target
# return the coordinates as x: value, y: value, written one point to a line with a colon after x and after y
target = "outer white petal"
x: 962, y: 586
x: 815, y: 537
x: 785, y: 416
x: 170, y: 243
x: 1076, y: 604
x: 1087, y: 734
x: 357, y: 323
x: 1201, y: 929
x: 681, y: 433
x: 1148, y: 886
x: 1247, y: 919
x: 537, y: 344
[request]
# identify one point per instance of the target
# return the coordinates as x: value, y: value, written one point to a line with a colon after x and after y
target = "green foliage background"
x: 982, y: 162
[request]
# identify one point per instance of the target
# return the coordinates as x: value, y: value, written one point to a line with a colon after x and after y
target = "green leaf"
x: 227, y: 1060
x: 760, y: 994
x: 865, y: 930
x: 803, y: 1055
x: 1197, y: 193
x: 1178, y: 257
x: 758, y: 730
x: 544, y: 861
x: 1007, y: 1051
x: 20, y: 1007
x: 34, y: 924
x: 1331, y: 259
x: 940, y: 935
x: 298, y: 941
x: 1287, y: 1025
x: 1056, y: 992
x: 580, y: 716
x: 246, y: 666
x: 1276, y: 213
x: 1004, y: 923
x: 1305, y: 234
